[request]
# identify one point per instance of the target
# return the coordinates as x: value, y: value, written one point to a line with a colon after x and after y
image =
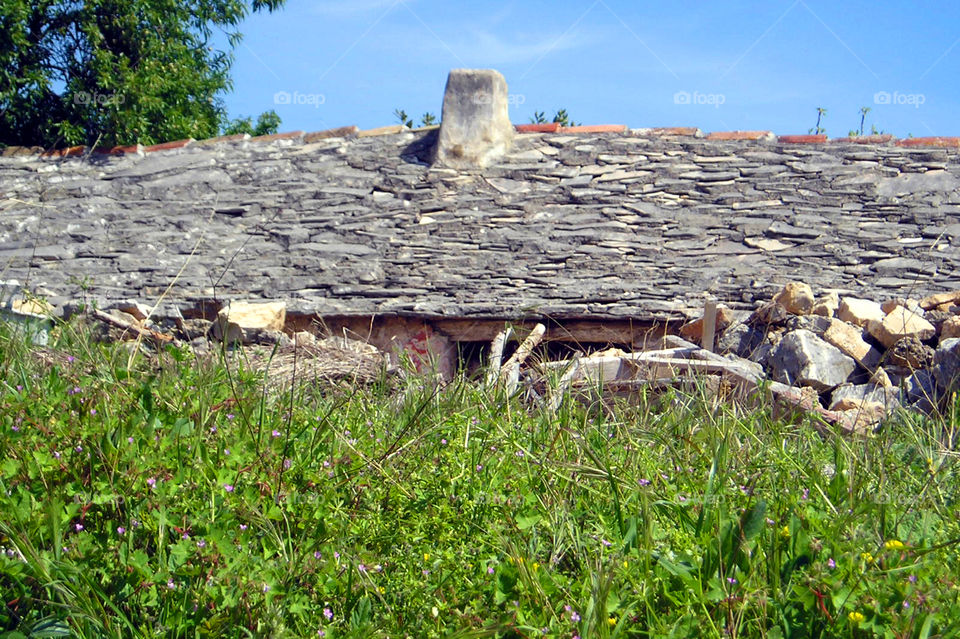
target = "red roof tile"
x: 950, y: 142
x: 739, y: 135
x: 544, y: 127
x: 801, y: 139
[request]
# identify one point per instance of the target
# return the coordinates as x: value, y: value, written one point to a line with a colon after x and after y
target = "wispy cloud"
x: 348, y: 7
x: 483, y: 47
x: 495, y: 48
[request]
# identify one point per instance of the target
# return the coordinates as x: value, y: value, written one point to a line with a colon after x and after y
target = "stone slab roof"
x: 571, y: 224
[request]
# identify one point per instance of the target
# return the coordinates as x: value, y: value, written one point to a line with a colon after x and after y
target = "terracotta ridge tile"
x: 538, y: 127
x: 740, y: 135
x: 129, y: 149
x: 68, y: 152
x: 881, y: 138
x: 220, y: 139
x: 338, y: 132
x: 802, y: 139
x: 390, y: 129
x: 594, y: 128
x: 939, y: 141
x: 166, y: 146
x: 271, y: 137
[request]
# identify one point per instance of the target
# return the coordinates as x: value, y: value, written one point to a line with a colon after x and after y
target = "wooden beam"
x: 510, y: 373
x: 496, y: 355
x: 709, y: 324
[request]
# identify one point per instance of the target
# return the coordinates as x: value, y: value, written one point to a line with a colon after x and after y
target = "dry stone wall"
x: 632, y: 225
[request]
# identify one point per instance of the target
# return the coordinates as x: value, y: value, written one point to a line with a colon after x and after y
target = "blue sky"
x: 715, y: 65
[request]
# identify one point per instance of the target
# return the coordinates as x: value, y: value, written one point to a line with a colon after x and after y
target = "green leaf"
x: 528, y: 521
x: 183, y: 427
x: 50, y: 627
x: 9, y: 468
x: 752, y: 521
x: 630, y: 539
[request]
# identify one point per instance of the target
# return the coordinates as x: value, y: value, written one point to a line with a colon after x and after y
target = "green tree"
x: 115, y: 71
x: 268, y: 122
x: 819, y: 130
x: 562, y: 118
x: 403, y: 118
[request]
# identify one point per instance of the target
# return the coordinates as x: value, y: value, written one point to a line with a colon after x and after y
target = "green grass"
x: 174, y: 497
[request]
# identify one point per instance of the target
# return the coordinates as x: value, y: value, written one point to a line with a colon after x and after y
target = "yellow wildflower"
x: 612, y: 621
x: 867, y: 557
x: 856, y: 617
x: 785, y: 532
x: 893, y: 544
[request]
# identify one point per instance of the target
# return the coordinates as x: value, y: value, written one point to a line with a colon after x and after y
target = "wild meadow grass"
x: 172, y: 496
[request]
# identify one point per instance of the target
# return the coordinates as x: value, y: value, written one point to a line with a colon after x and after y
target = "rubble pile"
x: 256, y: 328
x: 856, y: 354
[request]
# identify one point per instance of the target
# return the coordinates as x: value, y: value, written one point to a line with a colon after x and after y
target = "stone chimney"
x: 476, y: 128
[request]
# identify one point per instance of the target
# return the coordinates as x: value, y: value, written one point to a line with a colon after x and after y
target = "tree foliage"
x: 111, y: 72
x: 562, y: 118
x: 268, y: 122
